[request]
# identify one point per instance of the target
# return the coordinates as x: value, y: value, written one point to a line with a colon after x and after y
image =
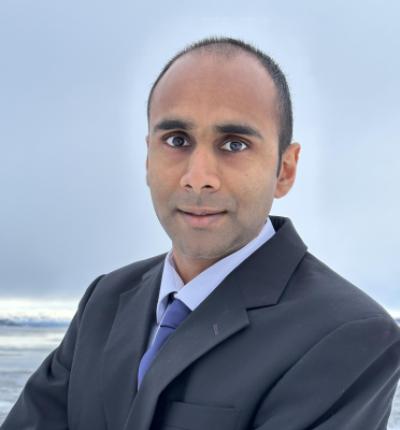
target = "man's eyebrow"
x: 173, y: 123
x: 236, y: 128
x: 227, y: 128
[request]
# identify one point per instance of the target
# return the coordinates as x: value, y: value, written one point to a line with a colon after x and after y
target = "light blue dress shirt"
x: 196, y: 290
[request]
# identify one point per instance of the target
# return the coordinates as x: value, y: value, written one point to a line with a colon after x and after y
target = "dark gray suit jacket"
x: 283, y: 343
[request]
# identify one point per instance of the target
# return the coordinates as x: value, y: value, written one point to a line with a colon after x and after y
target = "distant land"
x: 36, y: 313
x: 32, y: 323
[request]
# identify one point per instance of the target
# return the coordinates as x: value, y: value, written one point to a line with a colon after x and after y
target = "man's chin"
x: 210, y: 251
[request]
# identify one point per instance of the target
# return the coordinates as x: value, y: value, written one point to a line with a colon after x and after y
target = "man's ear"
x: 287, y: 174
x: 147, y: 160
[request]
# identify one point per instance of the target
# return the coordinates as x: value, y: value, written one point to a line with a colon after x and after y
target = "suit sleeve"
x: 346, y: 381
x: 42, y: 403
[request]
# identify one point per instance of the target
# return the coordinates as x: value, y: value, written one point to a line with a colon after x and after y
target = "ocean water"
x: 24, y: 347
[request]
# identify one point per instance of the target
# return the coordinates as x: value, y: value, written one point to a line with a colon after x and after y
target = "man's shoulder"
x: 324, y: 292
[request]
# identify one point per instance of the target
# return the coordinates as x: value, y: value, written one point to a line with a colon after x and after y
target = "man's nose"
x: 201, y: 171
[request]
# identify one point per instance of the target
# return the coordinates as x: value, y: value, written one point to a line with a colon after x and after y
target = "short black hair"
x: 228, y: 46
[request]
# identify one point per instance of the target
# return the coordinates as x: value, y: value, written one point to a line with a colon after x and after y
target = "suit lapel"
x: 257, y: 282
x: 126, y: 344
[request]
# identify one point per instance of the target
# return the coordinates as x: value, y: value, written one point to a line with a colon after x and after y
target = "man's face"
x: 213, y: 147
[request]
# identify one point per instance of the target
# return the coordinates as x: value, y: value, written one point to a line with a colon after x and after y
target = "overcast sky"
x: 74, y: 78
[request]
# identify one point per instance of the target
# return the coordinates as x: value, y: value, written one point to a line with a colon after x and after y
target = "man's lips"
x: 202, y: 211
x: 200, y: 218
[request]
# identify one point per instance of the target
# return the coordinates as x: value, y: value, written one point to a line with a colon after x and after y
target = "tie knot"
x: 176, y: 312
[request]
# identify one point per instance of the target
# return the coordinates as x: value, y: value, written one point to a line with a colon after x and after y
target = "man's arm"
x: 345, y: 382
x: 43, y: 401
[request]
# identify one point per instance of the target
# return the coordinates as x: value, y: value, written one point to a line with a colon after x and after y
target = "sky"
x: 74, y: 79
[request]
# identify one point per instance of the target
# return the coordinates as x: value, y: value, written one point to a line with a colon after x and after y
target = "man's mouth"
x: 202, y: 212
x: 200, y: 218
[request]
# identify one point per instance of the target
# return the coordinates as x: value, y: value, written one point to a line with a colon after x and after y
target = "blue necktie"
x: 176, y: 312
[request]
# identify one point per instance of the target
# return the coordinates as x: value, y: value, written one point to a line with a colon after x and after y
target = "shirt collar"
x: 195, y: 291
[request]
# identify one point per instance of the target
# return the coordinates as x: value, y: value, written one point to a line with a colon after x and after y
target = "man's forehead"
x: 203, y: 66
x: 238, y: 82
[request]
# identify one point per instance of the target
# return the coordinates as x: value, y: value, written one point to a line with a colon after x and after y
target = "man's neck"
x: 188, y: 268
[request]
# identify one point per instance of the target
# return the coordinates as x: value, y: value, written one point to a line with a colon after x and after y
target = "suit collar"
x: 278, y: 257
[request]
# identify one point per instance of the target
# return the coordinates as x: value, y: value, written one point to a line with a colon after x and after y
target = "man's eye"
x: 235, y: 145
x: 176, y: 141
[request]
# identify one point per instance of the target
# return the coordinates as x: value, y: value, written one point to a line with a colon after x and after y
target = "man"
x: 238, y: 326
